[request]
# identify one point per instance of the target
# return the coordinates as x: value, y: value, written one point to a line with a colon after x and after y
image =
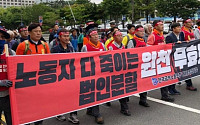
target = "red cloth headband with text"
x: 63, y: 33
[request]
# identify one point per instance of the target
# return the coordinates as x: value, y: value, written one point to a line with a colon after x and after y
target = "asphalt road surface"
x: 184, y: 111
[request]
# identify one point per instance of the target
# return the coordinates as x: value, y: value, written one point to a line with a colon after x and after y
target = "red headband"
x: 63, y: 33
x: 188, y: 20
x: 3, y: 29
x: 93, y: 32
x: 118, y: 33
x: 139, y: 29
x: 89, y: 23
x: 158, y: 23
x: 22, y: 29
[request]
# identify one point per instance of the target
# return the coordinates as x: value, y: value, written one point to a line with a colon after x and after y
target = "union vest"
x: 109, y: 44
x: 188, y: 35
x: 139, y: 43
x: 158, y: 39
x: 91, y: 48
x: 114, y: 47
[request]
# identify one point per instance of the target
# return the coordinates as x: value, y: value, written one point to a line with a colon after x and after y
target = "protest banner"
x: 49, y: 85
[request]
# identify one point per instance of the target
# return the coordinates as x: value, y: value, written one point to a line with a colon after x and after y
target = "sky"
x: 97, y: 1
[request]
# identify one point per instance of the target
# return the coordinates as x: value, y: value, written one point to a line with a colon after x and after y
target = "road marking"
x: 173, y: 105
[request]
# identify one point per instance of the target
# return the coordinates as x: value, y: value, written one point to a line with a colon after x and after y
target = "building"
x: 43, y: 1
x: 8, y: 3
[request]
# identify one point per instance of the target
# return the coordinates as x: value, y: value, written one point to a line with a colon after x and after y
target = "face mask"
x: 2, y: 42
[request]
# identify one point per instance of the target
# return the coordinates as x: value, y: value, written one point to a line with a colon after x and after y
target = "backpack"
x: 28, y: 49
x: 128, y: 39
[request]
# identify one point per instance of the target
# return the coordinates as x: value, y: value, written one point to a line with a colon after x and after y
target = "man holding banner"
x: 157, y: 38
x: 138, y: 41
x: 174, y: 37
x: 33, y: 45
x: 187, y: 34
x: 94, y: 45
x: 116, y: 45
x: 4, y: 83
x: 65, y: 47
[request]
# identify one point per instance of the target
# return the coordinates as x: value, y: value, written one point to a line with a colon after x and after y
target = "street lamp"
x: 71, y: 12
x: 132, y: 2
x: 21, y: 12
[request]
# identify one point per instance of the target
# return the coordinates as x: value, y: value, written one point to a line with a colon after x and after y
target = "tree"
x: 78, y: 11
x: 49, y: 19
x: 82, y: 1
x: 177, y: 8
x: 147, y: 6
x: 11, y: 17
x: 116, y: 8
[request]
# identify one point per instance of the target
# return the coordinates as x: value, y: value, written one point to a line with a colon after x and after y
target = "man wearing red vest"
x: 187, y: 35
x: 4, y: 83
x: 187, y: 32
x: 110, y: 40
x: 138, y: 41
x: 94, y: 45
x: 115, y: 45
x: 157, y: 38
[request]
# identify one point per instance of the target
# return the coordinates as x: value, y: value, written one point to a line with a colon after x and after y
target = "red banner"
x: 54, y: 84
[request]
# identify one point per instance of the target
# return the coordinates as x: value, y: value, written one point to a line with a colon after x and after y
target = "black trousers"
x: 80, y: 45
x: 171, y: 87
x: 75, y: 113
x: 5, y: 107
x: 188, y: 83
x: 164, y: 92
x: 143, y: 97
x: 123, y: 103
x: 94, y: 110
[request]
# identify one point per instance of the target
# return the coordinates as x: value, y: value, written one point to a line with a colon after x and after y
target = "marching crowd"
x: 27, y: 40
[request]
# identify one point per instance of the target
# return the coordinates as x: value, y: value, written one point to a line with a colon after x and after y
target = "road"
x: 184, y: 111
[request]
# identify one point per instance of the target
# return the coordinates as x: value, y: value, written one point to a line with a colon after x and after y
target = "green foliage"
x: 85, y: 10
x: 82, y: 1
x: 147, y: 6
x: 177, y: 8
x: 77, y: 9
x: 116, y: 8
x: 11, y: 17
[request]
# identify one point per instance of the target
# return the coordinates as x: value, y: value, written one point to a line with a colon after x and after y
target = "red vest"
x: 115, y: 47
x: 139, y: 43
x: 158, y: 39
x: 91, y: 48
x: 3, y: 70
x: 109, y: 44
x: 188, y: 35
